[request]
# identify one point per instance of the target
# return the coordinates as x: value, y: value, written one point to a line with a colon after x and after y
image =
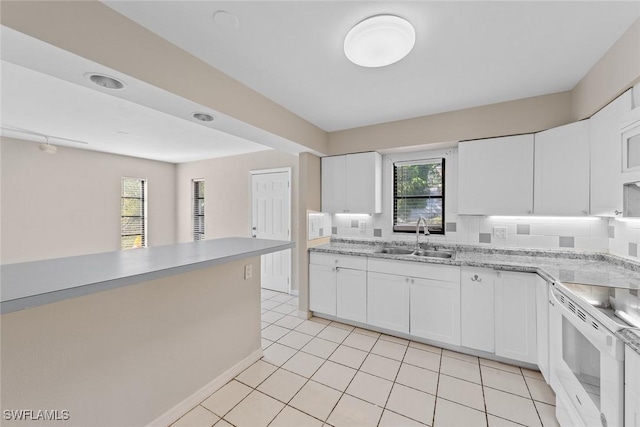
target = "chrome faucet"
x: 426, y: 230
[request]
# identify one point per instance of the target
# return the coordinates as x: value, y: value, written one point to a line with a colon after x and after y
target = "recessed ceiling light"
x: 106, y: 81
x: 379, y: 40
x: 203, y: 117
x: 226, y: 20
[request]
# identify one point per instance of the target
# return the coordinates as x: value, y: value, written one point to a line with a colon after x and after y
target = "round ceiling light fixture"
x: 379, y: 41
x: 203, y: 117
x: 106, y: 81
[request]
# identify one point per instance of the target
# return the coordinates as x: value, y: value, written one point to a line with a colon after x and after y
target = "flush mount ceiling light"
x: 106, y: 81
x: 203, y: 117
x: 379, y: 40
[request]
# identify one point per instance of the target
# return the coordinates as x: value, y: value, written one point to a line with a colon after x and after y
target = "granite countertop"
x: 35, y: 283
x: 553, y: 265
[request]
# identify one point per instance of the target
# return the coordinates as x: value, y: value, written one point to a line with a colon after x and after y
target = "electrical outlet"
x: 500, y: 232
x: 363, y: 226
x: 248, y: 271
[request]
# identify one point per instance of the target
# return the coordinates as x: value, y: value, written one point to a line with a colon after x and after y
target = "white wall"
x: 69, y: 203
x: 228, y: 198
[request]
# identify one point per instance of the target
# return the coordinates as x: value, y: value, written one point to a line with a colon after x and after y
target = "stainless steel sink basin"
x: 396, y: 251
x: 432, y: 254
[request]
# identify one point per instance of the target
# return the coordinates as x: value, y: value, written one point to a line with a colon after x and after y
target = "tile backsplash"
x: 624, y: 236
x: 581, y: 234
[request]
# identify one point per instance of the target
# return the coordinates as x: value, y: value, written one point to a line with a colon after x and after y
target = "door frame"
x: 288, y: 170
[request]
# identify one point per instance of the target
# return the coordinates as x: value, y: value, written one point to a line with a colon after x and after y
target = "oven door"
x: 587, y: 368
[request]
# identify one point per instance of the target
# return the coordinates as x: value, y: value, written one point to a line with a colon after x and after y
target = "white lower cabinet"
x: 631, y: 388
x: 338, y: 285
x: 388, y: 301
x: 477, y: 308
x: 542, y: 326
x: 322, y: 289
x: 435, y: 310
x: 499, y: 313
x: 515, y: 312
x: 493, y: 311
x: 351, y: 294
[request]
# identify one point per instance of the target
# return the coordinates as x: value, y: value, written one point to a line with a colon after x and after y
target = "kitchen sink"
x: 433, y: 254
x: 394, y: 250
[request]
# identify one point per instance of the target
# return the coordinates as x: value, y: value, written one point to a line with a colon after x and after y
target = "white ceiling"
x: 466, y: 54
x: 45, y: 90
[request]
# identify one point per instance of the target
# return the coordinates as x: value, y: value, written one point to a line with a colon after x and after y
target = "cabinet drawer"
x: 342, y: 261
x: 446, y: 273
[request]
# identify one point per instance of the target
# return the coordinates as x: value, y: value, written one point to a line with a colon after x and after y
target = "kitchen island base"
x: 129, y: 355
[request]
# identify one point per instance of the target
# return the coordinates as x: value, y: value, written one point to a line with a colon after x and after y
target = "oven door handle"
x: 603, y: 339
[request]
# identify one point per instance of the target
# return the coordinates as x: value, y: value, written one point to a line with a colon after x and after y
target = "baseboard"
x: 304, y: 315
x: 187, y: 404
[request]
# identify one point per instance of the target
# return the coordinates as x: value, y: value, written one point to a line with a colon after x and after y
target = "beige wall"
x: 310, y: 200
x: 506, y: 118
x: 124, y: 357
x: 96, y: 32
x: 69, y: 203
x: 615, y: 72
x: 228, y: 198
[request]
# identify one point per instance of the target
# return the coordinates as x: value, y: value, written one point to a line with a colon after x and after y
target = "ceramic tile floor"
x: 321, y: 373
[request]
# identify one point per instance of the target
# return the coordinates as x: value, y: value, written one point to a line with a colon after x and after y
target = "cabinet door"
x: 562, y: 170
x: 364, y: 182
x: 388, y: 301
x: 334, y: 190
x: 435, y: 310
x: 606, y: 156
x: 477, y: 308
x: 496, y: 176
x: 542, y: 326
x: 515, y: 311
x: 322, y: 289
x: 351, y: 291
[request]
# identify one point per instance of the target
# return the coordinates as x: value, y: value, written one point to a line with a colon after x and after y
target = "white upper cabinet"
x: 561, y: 177
x: 496, y: 176
x: 352, y: 183
x: 606, y: 157
x: 334, y: 188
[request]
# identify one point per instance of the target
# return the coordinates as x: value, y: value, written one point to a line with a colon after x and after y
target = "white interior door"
x: 271, y: 219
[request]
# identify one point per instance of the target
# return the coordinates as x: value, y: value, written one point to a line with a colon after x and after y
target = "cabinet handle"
x: 475, y: 278
x: 617, y: 212
x: 584, y: 212
x: 412, y: 281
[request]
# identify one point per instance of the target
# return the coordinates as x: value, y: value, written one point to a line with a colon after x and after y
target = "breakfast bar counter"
x: 35, y: 283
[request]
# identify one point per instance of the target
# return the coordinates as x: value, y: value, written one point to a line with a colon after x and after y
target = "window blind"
x: 198, y: 210
x: 418, y: 191
x: 133, y: 209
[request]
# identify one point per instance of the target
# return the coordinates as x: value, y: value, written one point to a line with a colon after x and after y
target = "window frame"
x: 412, y: 228
x: 194, y: 215
x: 144, y: 199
